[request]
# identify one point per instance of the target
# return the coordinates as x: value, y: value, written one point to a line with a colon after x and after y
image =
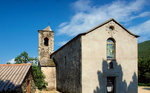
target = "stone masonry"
x: 45, y: 48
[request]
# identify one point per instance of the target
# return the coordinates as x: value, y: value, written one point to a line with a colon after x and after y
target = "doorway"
x: 110, y: 84
x: 28, y: 86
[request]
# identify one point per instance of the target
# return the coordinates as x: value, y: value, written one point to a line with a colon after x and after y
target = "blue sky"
x: 21, y: 19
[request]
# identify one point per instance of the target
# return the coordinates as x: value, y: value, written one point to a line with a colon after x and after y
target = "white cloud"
x: 62, y: 43
x: 144, y: 14
x: 88, y: 16
x: 142, y: 29
x: 63, y: 24
x: 82, y: 5
x: 12, y: 61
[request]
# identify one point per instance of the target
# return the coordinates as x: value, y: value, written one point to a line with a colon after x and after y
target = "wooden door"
x: 28, y: 86
x: 111, y: 83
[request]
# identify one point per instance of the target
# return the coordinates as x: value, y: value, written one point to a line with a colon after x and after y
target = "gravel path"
x: 141, y: 89
x: 43, y: 91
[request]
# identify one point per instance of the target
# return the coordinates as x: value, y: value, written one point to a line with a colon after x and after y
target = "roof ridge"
x: 84, y: 33
x: 15, y: 64
x: 48, y: 28
x: 111, y: 19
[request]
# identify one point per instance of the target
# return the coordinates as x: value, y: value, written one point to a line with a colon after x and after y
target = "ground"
x: 141, y: 89
x: 43, y: 91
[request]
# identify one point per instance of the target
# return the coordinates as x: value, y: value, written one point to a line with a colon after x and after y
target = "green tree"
x: 37, y: 73
x: 8, y: 63
x: 39, y: 77
x: 144, y: 70
x: 144, y: 63
x: 24, y: 58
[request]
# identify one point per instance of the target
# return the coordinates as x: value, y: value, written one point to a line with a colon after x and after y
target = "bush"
x: 39, y: 77
x: 144, y: 84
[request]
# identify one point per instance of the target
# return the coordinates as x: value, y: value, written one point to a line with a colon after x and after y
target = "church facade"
x: 102, y: 60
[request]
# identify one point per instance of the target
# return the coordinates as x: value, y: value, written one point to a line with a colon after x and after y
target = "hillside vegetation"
x: 144, y: 49
x: 144, y: 63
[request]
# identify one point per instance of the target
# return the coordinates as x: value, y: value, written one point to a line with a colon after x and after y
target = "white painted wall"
x: 94, y: 57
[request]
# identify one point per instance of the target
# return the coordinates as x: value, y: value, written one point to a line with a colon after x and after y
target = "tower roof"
x: 48, y: 28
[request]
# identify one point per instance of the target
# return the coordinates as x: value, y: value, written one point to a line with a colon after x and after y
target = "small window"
x: 110, y: 48
x: 111, y: 28
x: 46, y: 41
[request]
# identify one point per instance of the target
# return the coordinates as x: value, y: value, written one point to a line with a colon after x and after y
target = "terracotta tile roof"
x: 12, y: 75
x: 48, y: 28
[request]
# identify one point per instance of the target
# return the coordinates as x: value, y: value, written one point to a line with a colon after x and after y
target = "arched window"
x: 46, y: 41
x: 110, y: 48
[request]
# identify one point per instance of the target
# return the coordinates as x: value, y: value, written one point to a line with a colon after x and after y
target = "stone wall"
x: 24, y: 84
x: 68, y: 67
x: 45, y: 51
x: 50, y: 74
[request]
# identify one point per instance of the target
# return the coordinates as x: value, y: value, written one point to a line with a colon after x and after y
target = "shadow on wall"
x: 9, y: 87
x: 116, y: 71
x: 146, y: 88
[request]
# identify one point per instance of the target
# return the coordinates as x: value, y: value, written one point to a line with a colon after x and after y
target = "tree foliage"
x: 144, y: 63
x: 24, y: 58
x: 8, y: 63
x: 37, y: 73
x: 144, y: 49
x: 144, y: 70
x: 39, y: 77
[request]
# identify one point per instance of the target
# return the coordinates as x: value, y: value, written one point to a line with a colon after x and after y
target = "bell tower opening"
x: 46, y: 40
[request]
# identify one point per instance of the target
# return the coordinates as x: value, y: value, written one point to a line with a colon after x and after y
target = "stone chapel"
x: 101, y: 60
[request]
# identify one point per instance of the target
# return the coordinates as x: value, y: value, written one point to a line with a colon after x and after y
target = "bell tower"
x: 45, y: 48
x: 46, y: 45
